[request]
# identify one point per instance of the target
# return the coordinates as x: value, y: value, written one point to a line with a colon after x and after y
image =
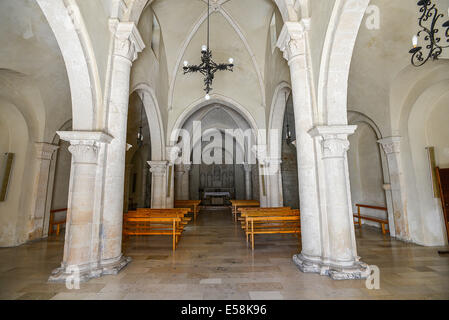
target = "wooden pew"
x: 263, y: 212
x: 53, y: 223
x: 178, y: 212
x: 359, y: 217
x: 273, y: 224
x: 236, y: 204
x: 165, y: 225
x: 193, y: 204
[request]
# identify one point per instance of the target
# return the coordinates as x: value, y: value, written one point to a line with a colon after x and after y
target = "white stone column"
x: 185, y: 194
x: 158, y: 171
x: 127, y: 44
x: 263, y: 184
x: 340, y: 260
x: 248, y: 181
x: 82, y: 238
x: 179, y: 174
x: 392, y: 148
x: 275, y: 185
x: 293, y: 42
x: 44, y: 153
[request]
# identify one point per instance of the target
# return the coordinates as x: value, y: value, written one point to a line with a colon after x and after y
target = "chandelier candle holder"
x: 429, y: 31
x: 208, y: 67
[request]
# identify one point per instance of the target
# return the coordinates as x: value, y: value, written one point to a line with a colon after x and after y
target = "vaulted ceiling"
x: 238, y: 29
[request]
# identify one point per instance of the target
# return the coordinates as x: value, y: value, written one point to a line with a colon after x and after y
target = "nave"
x: 212, y: 261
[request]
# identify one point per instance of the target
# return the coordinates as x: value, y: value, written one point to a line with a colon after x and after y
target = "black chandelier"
x: 140, y: 133
x: 429, y: 15
x: 208, y: 67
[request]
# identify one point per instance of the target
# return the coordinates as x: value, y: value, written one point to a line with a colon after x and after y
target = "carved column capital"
x: 291, y: 40
x: 391, y: 144
x: 158, y: 168
x: 128, y: 42
x: 334, y: 139
x: 247, y: 167
x: 45, y: 150
x: 173, y: 154
x: 84, y: 145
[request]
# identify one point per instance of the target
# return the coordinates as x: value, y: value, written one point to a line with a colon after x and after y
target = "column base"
x: 357, y: 271
x: 115, y: 266
x: 74, y: 273
x: 85, y: 273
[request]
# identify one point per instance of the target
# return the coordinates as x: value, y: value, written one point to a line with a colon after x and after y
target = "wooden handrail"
x: 371, y: 207
x: 58, y: 210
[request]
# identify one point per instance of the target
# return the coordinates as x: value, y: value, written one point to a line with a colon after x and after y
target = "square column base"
x: 357, y: 271
x: 84, y: 274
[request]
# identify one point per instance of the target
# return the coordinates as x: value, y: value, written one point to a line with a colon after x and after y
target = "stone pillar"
x: 248, y: 181
x: 185, y: 194
x: 292, y: 41
x: 179, y: 174
x: 127, y: 44
x: 158, y: 183
x: 144, y: 185
x: 44, y: 153
x: 340, y: 260
x: 275, y: 185
x: 392, y: 148
x: 263, y: 184
x: 82, y: 238
x: 128, y: 170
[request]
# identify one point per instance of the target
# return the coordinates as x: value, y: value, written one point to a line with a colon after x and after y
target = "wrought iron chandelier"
x: 429, y: 30
x: 140, y: 133
x: 208, y: 67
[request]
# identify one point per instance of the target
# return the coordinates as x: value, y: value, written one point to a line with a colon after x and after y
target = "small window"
x: 273, y: 32
x: 155, y: 36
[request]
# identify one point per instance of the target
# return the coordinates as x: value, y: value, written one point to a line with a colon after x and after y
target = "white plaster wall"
x: 14, y: 132
x: 365, y: 172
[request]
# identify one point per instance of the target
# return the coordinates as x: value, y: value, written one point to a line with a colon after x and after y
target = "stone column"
x: 248, y: 181
x: 128, y: 170
x: 263, y: 184
x: 144, y: 185
x: 185, y: 194
x: 82, y: 238
x: 340, y: 260
x: 392, y: 148
x: 179, y: 174
x: 127, y: 44
x: 158, y: 183
x: 44, y: 153
x: 293, y: 42
x: 275, y: 185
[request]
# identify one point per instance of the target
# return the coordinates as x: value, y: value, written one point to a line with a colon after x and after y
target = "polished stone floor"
x: 214, y: 262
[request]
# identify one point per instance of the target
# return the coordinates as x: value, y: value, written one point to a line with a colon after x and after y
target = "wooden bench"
x: 53, y: 223
x: 192, y: 204
x: 140, y: 225
x: 359, y: 217
x: 236, y: 204
x: 273, y: 224
x: 263, y: 212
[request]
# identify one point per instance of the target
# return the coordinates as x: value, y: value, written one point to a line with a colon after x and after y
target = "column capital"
x: 158, y: 168
x: 128, y: 42
x: 45, y: 150
x: 247, y: 167
x: 391, y: 144
x: 84, y: 145
x: 335, y: 141
x: 172, y: 153
x: 183, y: 167
x: 291, y: 40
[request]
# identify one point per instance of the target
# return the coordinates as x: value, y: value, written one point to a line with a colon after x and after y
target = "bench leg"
x: 252, y: 235
x: 57, y: 230
x: 383, y: 228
